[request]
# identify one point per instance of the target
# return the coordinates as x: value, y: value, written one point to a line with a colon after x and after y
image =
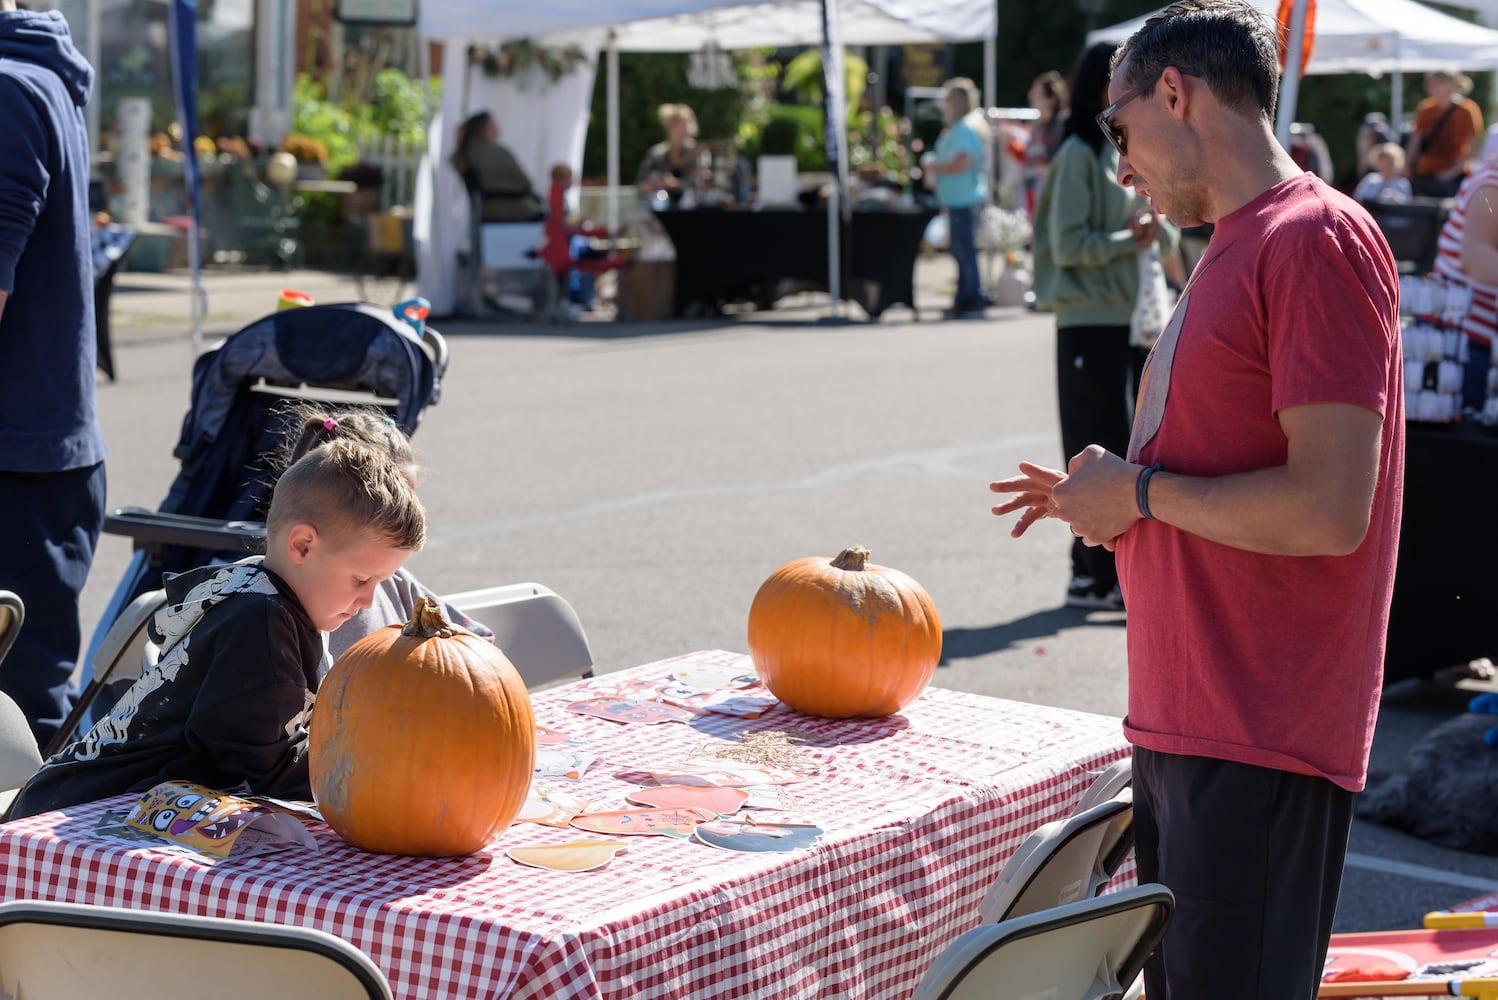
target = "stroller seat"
x: 343, y: 354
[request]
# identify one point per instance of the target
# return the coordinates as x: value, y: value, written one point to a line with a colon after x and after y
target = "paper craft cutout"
x: 182, y: 818
x: 743, y: 706
x: 713, y: 676
x: 708, y: 798
x: 546, y: 736
x: 757, y: 838
x: 646, y: 713
x: 550, y: 807
x: 553, y: 763
x: 729, y: 773
x: 677, y: 823
x: 573, y: 856
x: 775, y: 797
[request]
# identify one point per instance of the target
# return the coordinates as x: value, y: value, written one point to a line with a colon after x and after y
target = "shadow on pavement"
x: 965, y: 643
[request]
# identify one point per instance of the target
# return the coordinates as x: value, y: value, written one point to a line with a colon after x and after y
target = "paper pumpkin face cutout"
x: 573, y: 856
x: 712, y: 676
x: 707, y: 798
x: 646, y: 713
x: 757, y: 838
x: 678, y: 823
x: 192, y: 815
x: 550, y: 807
x: 546, y: 736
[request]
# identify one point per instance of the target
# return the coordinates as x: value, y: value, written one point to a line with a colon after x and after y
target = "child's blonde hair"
x: 1392, y: 150
x: 311, y: 425
x: 344, y: 488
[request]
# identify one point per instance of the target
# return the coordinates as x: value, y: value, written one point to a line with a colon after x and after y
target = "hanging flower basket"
x: 518, y: 56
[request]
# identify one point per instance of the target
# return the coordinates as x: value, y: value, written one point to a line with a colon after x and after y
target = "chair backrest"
x: 123, y: 655
x: 1090, y: 950
x: 1064, y: 861
x: 511, y: 246
x: 1412, y: 230
x: 19, y: 757
x: 65, y: 950
x: 1110, y: 781
x: 12, y: 615
x: 534, y: 626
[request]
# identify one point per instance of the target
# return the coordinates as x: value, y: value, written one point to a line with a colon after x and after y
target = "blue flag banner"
x: 182, y: 29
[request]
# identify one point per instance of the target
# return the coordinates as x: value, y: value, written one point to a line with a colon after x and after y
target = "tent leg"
x: 611, y: 70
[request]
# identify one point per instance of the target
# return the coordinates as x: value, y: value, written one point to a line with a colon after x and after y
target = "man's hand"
x: 1096, y: 497
x: 1034, y: 493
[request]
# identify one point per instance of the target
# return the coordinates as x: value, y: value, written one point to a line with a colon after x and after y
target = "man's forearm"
x: 1266, y: 510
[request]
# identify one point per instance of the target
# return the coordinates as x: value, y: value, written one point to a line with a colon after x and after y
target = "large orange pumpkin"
x: 423, y: 741
x: 844, y: 638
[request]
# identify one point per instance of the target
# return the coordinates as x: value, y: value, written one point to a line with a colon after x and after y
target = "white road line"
x: 1422, y: 872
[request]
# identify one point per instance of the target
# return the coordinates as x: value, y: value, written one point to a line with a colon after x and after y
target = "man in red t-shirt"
x: 1255, y: 517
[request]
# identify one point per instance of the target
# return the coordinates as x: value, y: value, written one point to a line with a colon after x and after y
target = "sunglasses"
x: 1105, y: 117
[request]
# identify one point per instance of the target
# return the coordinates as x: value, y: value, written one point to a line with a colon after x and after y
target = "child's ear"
x: 300, y: 541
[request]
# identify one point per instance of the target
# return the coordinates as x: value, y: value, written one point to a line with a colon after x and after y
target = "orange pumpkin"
x: 423, y: 741
x: 844, y: 638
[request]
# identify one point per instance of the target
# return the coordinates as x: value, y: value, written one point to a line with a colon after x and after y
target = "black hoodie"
x: 47, y: 353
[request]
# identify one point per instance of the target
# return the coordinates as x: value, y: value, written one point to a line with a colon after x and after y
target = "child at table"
x: 314, y: 425
x: 568, y: 250
x: 243, y: 645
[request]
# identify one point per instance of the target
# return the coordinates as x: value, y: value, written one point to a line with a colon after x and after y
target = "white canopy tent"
x: 1367, y: 36
x: 625, y: 25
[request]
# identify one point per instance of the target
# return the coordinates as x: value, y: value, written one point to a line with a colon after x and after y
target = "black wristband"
x: 1142, y: 490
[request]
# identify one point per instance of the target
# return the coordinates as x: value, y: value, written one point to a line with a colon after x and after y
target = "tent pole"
x: 991, y: 70
x: 611, y: 83
x: 1396, y: 98
x: 1290, y: 83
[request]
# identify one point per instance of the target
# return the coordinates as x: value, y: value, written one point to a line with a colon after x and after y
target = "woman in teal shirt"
x: 960, y: 169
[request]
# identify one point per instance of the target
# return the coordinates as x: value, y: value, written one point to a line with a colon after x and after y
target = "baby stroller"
x: 215, y: 507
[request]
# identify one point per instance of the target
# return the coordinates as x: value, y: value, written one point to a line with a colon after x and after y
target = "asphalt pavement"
x: 655, y: 474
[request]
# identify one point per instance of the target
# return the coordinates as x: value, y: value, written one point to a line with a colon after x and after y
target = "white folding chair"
x: 62, y: 951
x: 19, y: 758
x: 1087, y: 950
x: 534, y: 626
x: 12, y: 615
x: 1063, y: 861
x: 1110, y: 781
x: 123, y: 655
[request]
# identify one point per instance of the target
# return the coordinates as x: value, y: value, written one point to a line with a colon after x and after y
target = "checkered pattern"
x: 920, y: 811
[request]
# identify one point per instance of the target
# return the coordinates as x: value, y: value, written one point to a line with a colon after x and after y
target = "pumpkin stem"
x: 427, y: 621
x: 852, y: 558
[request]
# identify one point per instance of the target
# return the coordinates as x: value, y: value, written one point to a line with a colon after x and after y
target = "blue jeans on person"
x: 53, y: 524
x: 581, y: 284
x: 1475, y: 375
x: 961, y: 223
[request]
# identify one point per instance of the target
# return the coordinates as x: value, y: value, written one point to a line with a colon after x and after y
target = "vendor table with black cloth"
x: 726, y: 254
x: 1445, y: 607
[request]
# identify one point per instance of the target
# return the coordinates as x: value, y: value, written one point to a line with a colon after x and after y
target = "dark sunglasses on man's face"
x: 1105, y: 117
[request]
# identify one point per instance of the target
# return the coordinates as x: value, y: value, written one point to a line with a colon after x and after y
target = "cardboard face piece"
x: 708, y: 798
x: 573, y: 856
x: 550, y: 807
x: 757, y: 838
x: 646, y: 713
x: 678, y: 823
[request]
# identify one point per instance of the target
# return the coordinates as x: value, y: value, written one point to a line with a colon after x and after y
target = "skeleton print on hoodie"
x: 227, y: 703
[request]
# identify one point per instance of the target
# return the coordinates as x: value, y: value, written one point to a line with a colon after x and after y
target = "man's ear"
x: 1177, y: 97
x: 301, y: 539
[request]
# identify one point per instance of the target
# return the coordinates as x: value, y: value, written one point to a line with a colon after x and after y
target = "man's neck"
x: 6, y: 5
x: 1256, y: 162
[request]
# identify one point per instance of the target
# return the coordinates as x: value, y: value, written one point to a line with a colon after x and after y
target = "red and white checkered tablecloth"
x: 920, y: 811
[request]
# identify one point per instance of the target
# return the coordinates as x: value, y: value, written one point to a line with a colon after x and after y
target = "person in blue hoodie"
x: 51, y: 447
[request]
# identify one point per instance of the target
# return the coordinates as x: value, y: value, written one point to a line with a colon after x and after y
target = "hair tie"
x: 390, y: 422
x: 330, y: 424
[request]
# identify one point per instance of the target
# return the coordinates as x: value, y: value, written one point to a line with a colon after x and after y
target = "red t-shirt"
x: 1275, y: 661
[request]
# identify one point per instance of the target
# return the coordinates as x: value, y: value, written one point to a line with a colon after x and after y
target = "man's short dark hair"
x: 1228, y: 43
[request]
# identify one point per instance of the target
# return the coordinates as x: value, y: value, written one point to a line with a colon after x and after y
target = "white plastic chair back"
x: 60, y: 951
x: 534, y: 626
x: 1087, y: 950
x: 1110, y: 781
x: 1064, y: 861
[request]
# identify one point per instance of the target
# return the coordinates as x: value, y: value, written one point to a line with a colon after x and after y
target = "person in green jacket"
x: 1088, y: 232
